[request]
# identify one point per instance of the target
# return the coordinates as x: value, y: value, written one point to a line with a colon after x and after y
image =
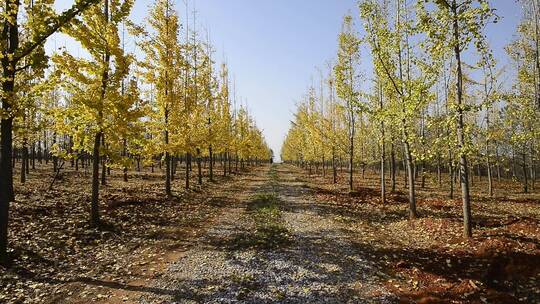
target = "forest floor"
x: 271, y: 234
x: 427, y: 260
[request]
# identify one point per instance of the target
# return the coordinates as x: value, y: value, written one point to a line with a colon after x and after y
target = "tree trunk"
x: 383, y: 179
x: 104, y: 163
x: 467, y: 218
x: 323, y: 167
x: 383, y: 151
x: 393, y: 166
x: 94, y: 212
x: 489, y: 176
x: 514, y: 163
x: 410, y: 180
x: 199, y: 169
x: 525, y: 173
x: 532, y: 167
x: 24, y: 162
x: 188, y: 161
x: 6, y: 174
x: 439, y: 173
x: 125, y: 156
x: 351, y: 162
x: 423, y: 174
x: 498, y: 161
x: 224, y: 163
x: 334, y: 167
x: 33, y: 156
x: 211, y: 155
x: 229, y: 160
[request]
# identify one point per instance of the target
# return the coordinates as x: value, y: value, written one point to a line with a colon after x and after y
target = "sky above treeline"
x: 276, y: 48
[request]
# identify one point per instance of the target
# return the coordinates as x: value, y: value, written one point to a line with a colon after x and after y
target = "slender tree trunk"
x: 406, y: 145
x: 125, y: 156
x: 488, y: 163
x: 24, y: 162
x: 351, y: 163
x: 383, y: 179
x: 33, y: 156
x: 383, y: 151
x: 393, y: 166
x: 532, y: 166
x: 439, y: 172
x: 188, y: 161
x: 467, y: 217
x: 45, y: 148
x: 211, y: 155
x: 471, y: 174
x: 323, y: 166
x: 514, y: 175
x: 525, y: 173
x: 224, y: 160
x: 94, y: 213
x: 103, y: 162
x: 334, y: 167
x: 537, y: 53
x: 497, y: 159
x: 174, y: 166
x: 490, y: 178
x: 410, y: 180
x: 168, y: 168
x: 199, y: 169
x: 229, y: 161
x: 55, y: 158
x: 423, y: 174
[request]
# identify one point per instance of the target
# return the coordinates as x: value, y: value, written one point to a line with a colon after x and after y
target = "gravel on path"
x: 318, y: 263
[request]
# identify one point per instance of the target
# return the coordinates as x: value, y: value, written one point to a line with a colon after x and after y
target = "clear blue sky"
x: 274, y: 46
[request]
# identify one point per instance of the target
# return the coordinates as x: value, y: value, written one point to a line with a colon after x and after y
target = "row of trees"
x: 425, y: 105
x: 113, y: 109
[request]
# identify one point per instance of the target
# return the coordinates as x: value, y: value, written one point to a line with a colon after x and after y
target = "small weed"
x: 270, y: 231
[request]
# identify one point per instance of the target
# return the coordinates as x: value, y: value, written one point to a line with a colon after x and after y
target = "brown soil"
x: 428, y: 260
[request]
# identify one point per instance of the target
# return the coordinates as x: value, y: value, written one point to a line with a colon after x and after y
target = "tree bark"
x: 199, y: 169
x: 525, y: 173
x: 125, y: 156
x: 334, y: 167
x: 464, y: 178
x: 211, y: 168
x: 188, y: 169
x: 94, y: 212
x: 24, y: 162
x: 392, y: 167
x: 103, y: 163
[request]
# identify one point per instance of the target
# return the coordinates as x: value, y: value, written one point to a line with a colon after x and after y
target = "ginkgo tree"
x: 162, y: 68
x: 347, y: 82
x: 108, y: 109
x: 26, y: 27
x: 405, y: 78
x: 447, y: 113
x: 452, y: 26
x: 94, y: 84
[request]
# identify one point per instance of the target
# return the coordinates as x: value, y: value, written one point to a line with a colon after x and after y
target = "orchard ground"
x: 268, y: 234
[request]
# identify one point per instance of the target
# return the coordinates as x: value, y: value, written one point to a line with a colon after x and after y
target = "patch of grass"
x: 272, y: 173
x: 270, y: 230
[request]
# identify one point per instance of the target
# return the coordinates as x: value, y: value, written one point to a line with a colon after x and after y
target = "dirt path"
x: 274, y: 245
